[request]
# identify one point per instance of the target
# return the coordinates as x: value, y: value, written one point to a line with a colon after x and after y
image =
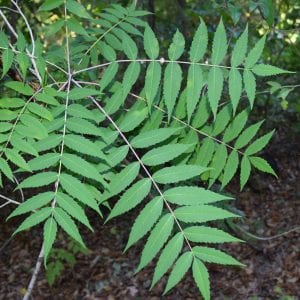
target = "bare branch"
x: 32, y: 42
x: 35, y: 274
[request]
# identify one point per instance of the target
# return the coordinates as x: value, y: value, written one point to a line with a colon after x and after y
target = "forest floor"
x: 272, y: 271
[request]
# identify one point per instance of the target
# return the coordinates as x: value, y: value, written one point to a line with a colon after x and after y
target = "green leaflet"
x: 109, y: 75
x: 80, y: 111
x: 24, y: 62
x: 48, y: 143
x: 107, y: 51
x: 34, y: 219
x: 219, y: 47
x: 152, y: 82
x: 130, y: 29
x: 262, y: 165
x: 199, y: 43
x: 39, y: 179
x: 68, y: 225
x: 7, y: 115
x: 3, y: 40
x: 31, y: 123
x: 74, y: 25
x: 247, y: 135
x: 194, y: 87
x: 44, y: 161
x: 259, y: 144
x: 153, y: 137
x: 109, y: 17
x: 167, y: 257
x: 191, y: 195
x: 201, y: 213
x: 153, y: 121
x: 222, y: 119
x: 133, y: 119
x: 73, y: 209
x: 240, y: 49
x: 181, y: 267
x: 151, y: 43
x: 50, y: 4
x: 235, y: 88
x: 116, y: 101
x: 201, y: 278
x: 171, y: 87
x: 20, y: 87
x: 250, y: 85
x: 83, y: 126
x: 215, y: 87
x: 17, y: 159
x: 21, y: 41
x: 7, y: 60
x: 245, y: 171
x: 83, y: 145
x: 130, y: 76
x: 145, y: 220
x: 116, y: 155
x: 78, y: 190
x: 5, y: 126
x: 156, y: 240
x: 11, y: 102
x: 177, y: 46
x: 212, y: 255
x: 78, y: 93
x: 206, y: 152
x: 204, y: 234
x: 255, y: 53
x: 5, y: 168
x: 49, y: 235
x: 32, y: 203
x: 131, y: 198
x: 218, y: 163
x: 77, y: 9
x: 165, y: 153
x: 267, y: 70
x: 22, y: 145
x: 121, y: 180
x: 129, y: 47
x: 230, y: 168
x: 82, y: 167
x: 236, y: 126
x: 177, y: 173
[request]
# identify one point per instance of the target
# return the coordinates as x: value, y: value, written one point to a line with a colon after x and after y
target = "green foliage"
x: 93, y: 129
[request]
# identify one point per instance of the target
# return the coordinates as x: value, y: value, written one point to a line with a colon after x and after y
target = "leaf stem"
x: 161, y: 60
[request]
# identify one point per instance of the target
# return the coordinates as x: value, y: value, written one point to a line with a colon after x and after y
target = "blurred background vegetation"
x: 278, y: 102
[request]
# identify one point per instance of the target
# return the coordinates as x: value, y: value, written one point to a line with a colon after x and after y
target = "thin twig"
x: 161, y: 60
x: 262, y: 238
x: 37, y: 73
x: 20, y: 189
x: 35, y: 274
x: 9, y: 200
